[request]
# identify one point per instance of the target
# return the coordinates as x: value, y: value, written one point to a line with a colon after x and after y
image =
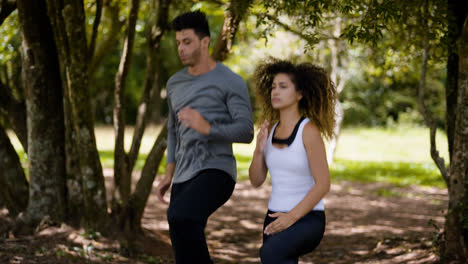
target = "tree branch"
x: 439, y: 161
x: 105, y: 46
x: 122, y: 179
x: 290, y: 29
x: 234, y: 14
x: 97, y: 21
x: 151, y: 86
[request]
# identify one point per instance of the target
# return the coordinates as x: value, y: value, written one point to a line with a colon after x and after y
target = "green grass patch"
x: 107, y: 161
x: 397, y: 173
x: 399, y: 144
x: 398, y: 155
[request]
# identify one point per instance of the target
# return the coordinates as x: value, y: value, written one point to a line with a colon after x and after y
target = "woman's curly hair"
x: 319, y: 94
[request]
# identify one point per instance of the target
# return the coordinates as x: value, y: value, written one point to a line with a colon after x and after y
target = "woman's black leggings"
x: 299, y: 239
x: 192, y: 202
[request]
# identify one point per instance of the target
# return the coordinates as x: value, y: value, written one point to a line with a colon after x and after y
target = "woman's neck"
x: 289, y: 117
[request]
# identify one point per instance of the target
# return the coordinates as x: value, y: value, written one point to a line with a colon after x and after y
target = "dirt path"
x: 366, y: 223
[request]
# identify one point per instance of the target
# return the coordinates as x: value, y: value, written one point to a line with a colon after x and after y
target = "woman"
x: 299, y: 101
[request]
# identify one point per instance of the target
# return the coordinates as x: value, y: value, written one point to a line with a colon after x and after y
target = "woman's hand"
x: 262, y: 137
x: 283, y: 221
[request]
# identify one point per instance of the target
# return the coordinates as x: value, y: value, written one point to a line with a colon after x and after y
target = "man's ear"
x: 205, y: 42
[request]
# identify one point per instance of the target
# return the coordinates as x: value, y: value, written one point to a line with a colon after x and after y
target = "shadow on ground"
x: 366, y: 223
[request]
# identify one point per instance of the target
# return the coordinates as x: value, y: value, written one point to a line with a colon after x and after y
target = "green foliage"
x: 10, y: 56
x: 10, y: 39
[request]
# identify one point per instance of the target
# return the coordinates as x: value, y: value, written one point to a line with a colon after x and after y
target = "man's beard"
x: 194, y: 58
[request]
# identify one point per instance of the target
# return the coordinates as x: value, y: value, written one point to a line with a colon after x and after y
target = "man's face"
x: 188, y: 46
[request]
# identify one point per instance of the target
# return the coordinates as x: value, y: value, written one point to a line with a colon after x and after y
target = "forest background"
x: 68, y: 67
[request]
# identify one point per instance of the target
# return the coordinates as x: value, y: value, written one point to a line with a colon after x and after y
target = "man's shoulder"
x: 181, y: 74
x: 228, y: 75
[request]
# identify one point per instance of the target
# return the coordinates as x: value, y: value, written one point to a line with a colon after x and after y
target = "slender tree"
x: 122, y: 179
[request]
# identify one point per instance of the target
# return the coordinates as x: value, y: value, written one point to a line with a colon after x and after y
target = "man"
x: 209, y: 109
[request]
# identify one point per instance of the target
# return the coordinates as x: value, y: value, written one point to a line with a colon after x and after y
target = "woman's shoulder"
x: 311, y: 132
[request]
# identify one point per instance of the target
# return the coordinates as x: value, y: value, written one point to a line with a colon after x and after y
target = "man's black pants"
x: 192, y: 202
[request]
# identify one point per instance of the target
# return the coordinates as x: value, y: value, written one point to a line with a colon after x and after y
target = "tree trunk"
x: 131, y: 219
x: 339, y: 113
x: 13, y: 184
x: 133, y: 212
x: 41, y: 79
x: 456, y: 225
x: 152, y: 89
x: 122, y: 179
x: 75, y: 199
x: 68, y: 23
x: 232, y: 17
x: 456, y: 17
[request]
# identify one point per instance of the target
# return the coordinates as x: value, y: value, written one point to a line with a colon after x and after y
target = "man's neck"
x: 204, y: 66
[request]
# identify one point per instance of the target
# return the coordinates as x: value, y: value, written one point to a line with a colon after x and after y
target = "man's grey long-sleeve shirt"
x: 222, y: 98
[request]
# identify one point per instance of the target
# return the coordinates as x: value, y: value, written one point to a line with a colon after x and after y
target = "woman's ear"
x: 299, y: 96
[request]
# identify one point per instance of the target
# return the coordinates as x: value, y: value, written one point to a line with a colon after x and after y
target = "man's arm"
x: 171, y: 137
x: 241, y: 128
x: 165, y: 183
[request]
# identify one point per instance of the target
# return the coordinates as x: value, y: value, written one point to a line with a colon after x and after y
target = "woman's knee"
x: 271, y: 254
x: 266, y: 254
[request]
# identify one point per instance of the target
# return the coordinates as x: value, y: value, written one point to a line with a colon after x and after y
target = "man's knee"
x: 175, y: 216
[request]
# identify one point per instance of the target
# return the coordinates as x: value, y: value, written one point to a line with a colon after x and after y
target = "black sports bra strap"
x: 288, y: 141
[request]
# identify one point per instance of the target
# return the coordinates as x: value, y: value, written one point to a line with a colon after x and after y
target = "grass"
x: 399, y: 155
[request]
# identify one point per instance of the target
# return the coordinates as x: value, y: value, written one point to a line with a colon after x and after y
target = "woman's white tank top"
x: 290, y: 173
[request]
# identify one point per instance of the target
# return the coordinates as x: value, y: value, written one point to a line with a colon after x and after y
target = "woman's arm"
x: 317, y: 157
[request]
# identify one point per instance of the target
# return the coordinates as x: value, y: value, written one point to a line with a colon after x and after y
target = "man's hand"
x: 163, y: 186
x: 193, y: 119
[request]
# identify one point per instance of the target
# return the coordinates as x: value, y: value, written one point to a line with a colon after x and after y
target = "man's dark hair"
x: 195, y: 20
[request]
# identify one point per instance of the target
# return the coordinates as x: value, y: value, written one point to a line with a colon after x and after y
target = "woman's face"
x: 283, y: 92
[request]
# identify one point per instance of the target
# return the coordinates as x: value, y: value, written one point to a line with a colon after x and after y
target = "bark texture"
x: 456, y: 225
x: 68, y: 23
x: 456, y: 17
x: 45, y: 121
